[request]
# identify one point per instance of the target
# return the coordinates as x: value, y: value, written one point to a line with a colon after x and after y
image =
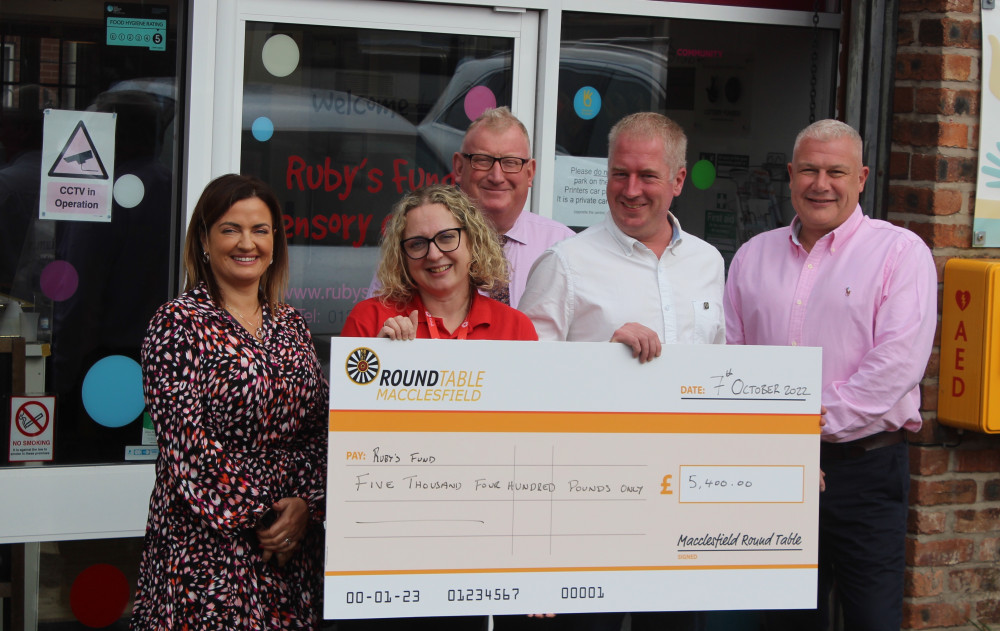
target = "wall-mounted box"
x: 969, y: 391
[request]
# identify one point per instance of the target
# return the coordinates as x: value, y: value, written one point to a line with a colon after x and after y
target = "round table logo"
x: 362, y: 366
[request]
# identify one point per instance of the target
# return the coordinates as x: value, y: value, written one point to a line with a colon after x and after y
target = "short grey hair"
x: 645, y: 124
x: 498, y: 119
x: 830, y: 129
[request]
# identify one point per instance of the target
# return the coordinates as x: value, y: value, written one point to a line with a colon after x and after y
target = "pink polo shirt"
x: 866, y: 294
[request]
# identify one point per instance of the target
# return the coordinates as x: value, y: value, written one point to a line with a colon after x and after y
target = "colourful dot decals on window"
x: 129, y: 191
x: 59, y: 280
x: 99, y: 595
x: 280, y: 55
x: 703, y: 174
x: 587, y: 102
x: 478, y: 100
x: 112, y: 391
x: 262, y: 129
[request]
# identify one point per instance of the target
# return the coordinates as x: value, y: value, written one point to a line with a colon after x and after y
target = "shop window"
x: 358, y: 118
x: 79, y: 290
x: 741, y: 92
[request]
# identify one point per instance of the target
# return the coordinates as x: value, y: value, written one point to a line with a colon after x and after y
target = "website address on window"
x: 343, y: 292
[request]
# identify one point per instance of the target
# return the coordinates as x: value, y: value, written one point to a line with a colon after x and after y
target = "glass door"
x: 343, y: 107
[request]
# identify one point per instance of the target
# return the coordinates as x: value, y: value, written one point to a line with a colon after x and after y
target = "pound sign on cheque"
x: 665, y: 485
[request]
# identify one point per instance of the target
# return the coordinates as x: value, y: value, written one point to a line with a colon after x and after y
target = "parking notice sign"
x: 31, y: 422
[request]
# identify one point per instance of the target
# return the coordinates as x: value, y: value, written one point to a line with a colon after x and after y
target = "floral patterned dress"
x: 240, y: 424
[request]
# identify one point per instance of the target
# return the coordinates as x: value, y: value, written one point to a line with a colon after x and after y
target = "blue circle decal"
x: 587, y: 102
x: 262, y: 129
x: 112, y: 391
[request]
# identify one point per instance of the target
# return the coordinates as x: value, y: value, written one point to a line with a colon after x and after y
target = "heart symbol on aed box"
x: 962, y: 298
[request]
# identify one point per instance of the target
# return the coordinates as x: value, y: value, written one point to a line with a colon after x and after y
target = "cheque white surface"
x: 515, y: 477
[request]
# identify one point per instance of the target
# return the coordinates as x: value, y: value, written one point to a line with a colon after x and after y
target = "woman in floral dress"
x: 239, y: 402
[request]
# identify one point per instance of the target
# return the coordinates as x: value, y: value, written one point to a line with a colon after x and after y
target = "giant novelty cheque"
x: 522, y: 477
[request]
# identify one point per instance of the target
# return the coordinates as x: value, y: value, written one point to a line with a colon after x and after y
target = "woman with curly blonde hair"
x: 438, y: 251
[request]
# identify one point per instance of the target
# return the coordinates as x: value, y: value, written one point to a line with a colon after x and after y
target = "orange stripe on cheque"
x: 570, y: 422
x: 790, y: 566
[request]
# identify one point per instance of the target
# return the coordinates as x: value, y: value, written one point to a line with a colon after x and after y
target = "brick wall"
x: 953, y: 546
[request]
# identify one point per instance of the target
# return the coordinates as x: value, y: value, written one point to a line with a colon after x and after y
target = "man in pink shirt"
x: 866, y: 292
x: 495, y: 168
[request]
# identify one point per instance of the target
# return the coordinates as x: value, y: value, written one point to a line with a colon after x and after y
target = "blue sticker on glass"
x: 587, y: 102
x: 112, y: 391
x: 262, y: 129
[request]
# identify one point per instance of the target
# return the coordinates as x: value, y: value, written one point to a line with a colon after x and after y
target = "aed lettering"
x: 957, y: 383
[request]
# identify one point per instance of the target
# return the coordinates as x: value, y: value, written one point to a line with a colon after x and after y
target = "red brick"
x: 945, y: 102
x: 904, y: 33
x: 936, y: 6
x: 972, y: 580
x: 988, y: 611
x: 991, y: 491
x: 977, y: 460
x: 938, y: 235
x: 899, y: 165
x: 956, y: 67
x: 929, y: 397
x: 937, y: 168
x: 936, y: 553
x: 986, y: 520
x: 929, y: 460
x: 926, y: 493
x: 949, y: 32
x: 924, y: 522
x: 919, y: 67
x: 903, y: 100
x: 923, y: 582
x: 988, y: 550
x: 931, y: 615
x: 925, y: 201
x: 930, y: 134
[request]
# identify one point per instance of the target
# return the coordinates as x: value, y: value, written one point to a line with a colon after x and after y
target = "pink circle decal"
x: 99, y: 595
x: 59, y: 280
x: 478, y: 100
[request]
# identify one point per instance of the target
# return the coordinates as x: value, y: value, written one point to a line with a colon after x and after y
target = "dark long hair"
x: 215, y: 201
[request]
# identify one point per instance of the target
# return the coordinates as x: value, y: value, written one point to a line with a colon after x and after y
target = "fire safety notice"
x: 78, y: 158
x: 31, y: 420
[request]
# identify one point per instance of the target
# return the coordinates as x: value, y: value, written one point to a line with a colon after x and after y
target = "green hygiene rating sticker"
x: 142, y: 32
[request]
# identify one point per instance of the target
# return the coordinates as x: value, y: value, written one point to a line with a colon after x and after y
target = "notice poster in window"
x: 581, y: 190
x: 78, y: 158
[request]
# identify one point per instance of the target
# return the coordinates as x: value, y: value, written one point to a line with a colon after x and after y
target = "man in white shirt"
x: 635, y: 278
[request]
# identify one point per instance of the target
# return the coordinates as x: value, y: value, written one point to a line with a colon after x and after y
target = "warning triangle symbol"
x: 79, y: 158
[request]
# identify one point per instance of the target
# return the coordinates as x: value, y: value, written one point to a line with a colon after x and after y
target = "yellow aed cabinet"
x: 969, y: 391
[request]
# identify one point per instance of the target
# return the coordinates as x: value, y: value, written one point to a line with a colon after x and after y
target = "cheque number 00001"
x: 569, y: 593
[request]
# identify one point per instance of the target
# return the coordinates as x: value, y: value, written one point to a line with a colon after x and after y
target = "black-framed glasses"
x: 508, y: 164
x: 446, y: 240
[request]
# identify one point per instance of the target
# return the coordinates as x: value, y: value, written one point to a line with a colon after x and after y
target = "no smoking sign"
x: 31, y: 421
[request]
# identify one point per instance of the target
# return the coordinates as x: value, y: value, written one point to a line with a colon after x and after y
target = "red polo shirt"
x: 488, y: 320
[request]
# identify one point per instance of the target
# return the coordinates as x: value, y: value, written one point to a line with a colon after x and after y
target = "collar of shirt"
x: 840, y: 234
x: 629, y: 245
x: 520, y: 231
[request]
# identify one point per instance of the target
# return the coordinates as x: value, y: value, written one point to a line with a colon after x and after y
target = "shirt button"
x: 810, y: 266
x: 798, y: 302
x: 833, y: 249
x: 794, y: 343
